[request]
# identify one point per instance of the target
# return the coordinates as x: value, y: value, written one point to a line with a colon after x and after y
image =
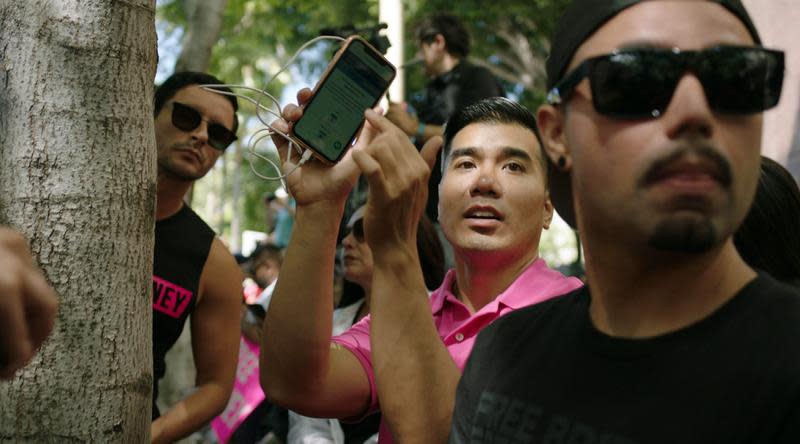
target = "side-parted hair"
x: 455, y: 34
x: 182, y: 79
x: 492, y: 110
x: 768, y: 238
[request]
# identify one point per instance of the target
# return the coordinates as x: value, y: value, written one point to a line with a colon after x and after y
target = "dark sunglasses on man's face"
x: 186, y: 118
x: 639, y: 83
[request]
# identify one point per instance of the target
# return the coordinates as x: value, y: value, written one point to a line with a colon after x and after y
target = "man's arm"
x: 412, y: 365
x: 410, y: 124
x: 215, y: 347
x: 300, y: 369
x: 27, y: 304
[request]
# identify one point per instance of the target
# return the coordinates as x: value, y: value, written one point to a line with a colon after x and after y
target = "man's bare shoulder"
x: 221, y: 277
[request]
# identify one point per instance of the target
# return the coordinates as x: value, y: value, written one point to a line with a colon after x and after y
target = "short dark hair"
x: 182, y: 79
x: 266, y: 252
x: 455, y: 34
x: 493, y: 110
x: 768, y: 239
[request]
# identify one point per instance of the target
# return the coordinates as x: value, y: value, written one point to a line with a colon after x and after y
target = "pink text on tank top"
x: 169, y: 298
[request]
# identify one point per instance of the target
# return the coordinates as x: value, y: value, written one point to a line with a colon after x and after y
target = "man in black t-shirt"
x: 194, y: 275
x: 444, y: 44
x: 654, y: 128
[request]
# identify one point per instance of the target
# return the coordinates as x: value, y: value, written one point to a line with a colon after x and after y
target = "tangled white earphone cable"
x: 268, y: 129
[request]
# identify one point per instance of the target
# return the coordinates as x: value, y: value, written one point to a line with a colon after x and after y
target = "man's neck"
x: 169, y: 195
x: 447, y: 63
x: 653, y: 293
x: 482, y: 276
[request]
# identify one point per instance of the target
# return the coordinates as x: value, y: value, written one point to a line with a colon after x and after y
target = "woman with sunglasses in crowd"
x: 358, y: 266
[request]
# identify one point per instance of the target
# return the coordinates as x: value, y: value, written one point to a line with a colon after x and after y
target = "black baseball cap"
x: 579, y: 22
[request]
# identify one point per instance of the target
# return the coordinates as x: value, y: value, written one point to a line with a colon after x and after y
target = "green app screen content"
x: 335, y: 113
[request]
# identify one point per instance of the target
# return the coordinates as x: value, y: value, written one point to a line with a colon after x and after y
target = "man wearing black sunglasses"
x: 654, y: 128
x: 194, y: 275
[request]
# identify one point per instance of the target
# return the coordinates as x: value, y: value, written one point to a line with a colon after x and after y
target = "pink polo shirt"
x: 456, y: 326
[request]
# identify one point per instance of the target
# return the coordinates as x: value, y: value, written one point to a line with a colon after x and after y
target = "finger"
x: 41, y: 306
x: 281, y: 143
x: 371, y: 170
x: 431, y: 149
x: 292, y: 113
x: 380, y: 123
x: 304, y: 95
x: 366, y: 136
x: 15, y: 346
x: 14, y: 242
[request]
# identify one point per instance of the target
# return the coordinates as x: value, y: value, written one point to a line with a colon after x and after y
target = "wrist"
x: 420, y: 130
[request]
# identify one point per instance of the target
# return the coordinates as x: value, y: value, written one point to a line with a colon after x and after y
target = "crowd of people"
x: 427, y: 315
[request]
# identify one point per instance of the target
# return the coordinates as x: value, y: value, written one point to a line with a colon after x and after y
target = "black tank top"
x: 183, y: 241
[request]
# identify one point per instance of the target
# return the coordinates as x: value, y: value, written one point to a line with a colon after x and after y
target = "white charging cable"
x: 269, y: 130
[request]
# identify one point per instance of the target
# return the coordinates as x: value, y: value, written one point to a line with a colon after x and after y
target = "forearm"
x: 413, y: 367
x: 252, y: 332
x: 190, y: 414
x: 297, y: 329
x: 428, y: 132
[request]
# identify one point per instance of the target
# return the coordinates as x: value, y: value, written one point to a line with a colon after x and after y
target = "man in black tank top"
x: 654, y: 127
x: 194, y: 275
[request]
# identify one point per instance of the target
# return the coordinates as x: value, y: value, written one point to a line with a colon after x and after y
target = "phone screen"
x: 356, y: 82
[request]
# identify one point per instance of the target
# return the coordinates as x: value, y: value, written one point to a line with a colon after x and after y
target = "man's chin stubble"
x: 684, y: 235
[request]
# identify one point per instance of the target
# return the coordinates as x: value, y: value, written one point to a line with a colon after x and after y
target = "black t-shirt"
x: 463, y: 85
x: 545, y: 374
x: 182, y: 244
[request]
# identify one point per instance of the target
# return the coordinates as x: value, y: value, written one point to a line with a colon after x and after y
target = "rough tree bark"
x: 77, y: 176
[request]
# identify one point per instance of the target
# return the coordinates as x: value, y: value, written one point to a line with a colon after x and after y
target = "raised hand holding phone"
x: 314, y: 181
x: 355, y: 80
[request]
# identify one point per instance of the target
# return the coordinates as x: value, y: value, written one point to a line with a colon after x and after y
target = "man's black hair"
x: 492, y: 110
x: 182, y: 79
x: 455, y: 34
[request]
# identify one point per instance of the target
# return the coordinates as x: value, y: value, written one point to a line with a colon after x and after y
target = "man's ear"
x: 547, y: 215
x: 551, y: 125
x: 439, y: 42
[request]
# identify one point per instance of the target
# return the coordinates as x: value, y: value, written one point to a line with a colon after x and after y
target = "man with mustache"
x: 194, y: 275
x: 405, y: 358
x: 654, y: 120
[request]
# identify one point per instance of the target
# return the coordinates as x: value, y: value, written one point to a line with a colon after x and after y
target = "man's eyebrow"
x: 507, y: 152
x: 514, y: 152
x: 646, y: 44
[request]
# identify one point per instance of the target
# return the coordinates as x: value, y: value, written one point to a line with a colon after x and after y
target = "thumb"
x: 431, y: 149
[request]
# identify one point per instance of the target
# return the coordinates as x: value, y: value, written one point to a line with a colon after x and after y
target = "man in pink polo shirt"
x: 406, y: 359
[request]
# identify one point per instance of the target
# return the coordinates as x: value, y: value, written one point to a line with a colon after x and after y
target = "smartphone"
x: 356, y: 79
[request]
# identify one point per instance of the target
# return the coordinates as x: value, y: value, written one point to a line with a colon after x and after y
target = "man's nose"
x: 689, y: 112
x: 486, y: 183
x: 201, y: 132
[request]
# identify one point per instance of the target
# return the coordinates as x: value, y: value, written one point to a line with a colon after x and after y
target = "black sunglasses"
x: 639, y: 83
x: 357, y: 229
x: 186, y: 118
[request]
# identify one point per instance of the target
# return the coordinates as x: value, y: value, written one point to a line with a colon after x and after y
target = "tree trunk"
x: 77, y: 176
x: 204, y: 21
